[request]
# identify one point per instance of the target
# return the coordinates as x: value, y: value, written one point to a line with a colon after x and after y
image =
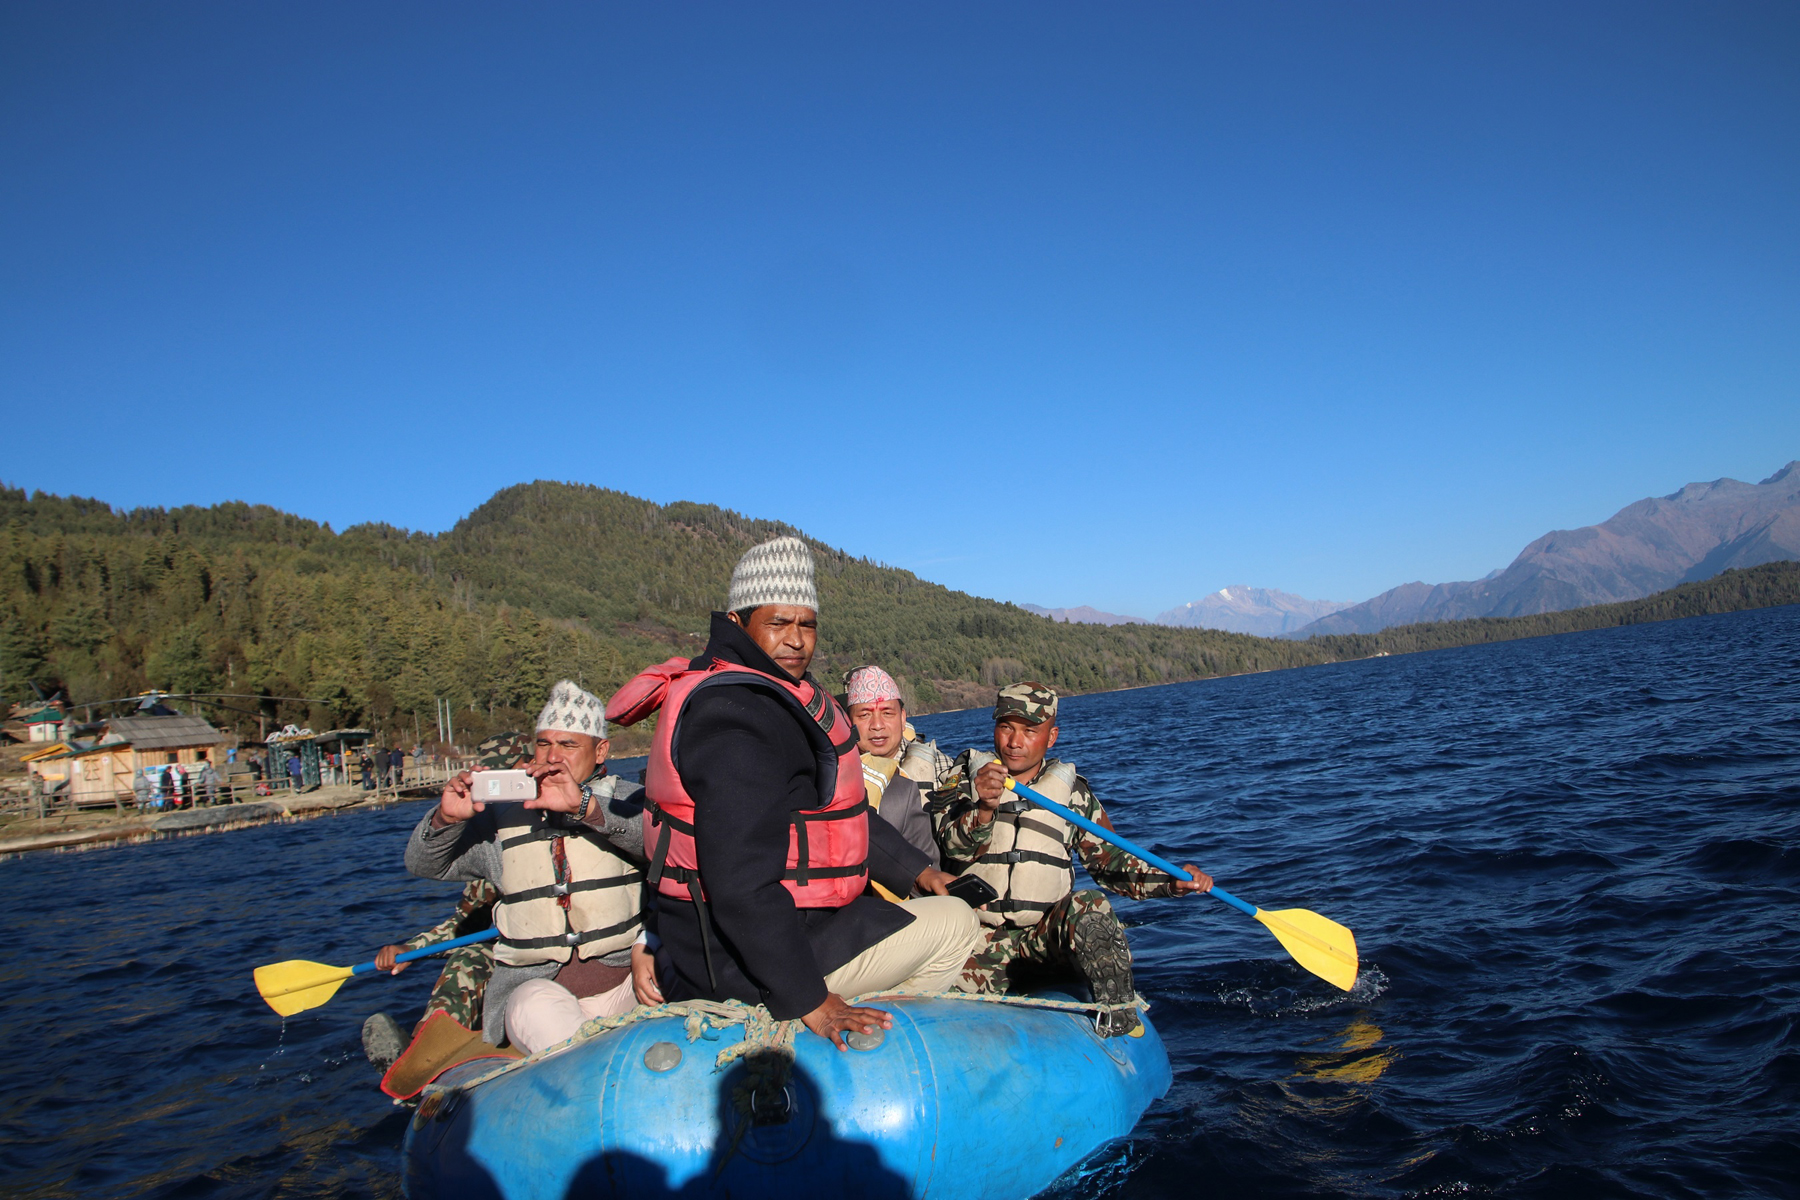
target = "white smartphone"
x: 503, y: 787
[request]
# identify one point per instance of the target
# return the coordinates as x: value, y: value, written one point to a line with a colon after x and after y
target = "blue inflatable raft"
x: 958, y: 1099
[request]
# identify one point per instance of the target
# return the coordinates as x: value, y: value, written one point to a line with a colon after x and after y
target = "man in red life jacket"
x: 757, y: 826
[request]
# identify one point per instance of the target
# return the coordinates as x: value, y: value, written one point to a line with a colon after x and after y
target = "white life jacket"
x: 597, y: 911
x: 1027, y: 859
x: 919, y: 763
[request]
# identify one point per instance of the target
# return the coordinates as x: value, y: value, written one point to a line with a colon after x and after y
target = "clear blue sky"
x: 1107, y: 304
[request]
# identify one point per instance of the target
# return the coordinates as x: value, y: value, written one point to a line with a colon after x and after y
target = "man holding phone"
x: 562, y: 840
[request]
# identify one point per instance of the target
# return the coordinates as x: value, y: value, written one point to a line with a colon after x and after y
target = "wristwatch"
x: 587, y: 798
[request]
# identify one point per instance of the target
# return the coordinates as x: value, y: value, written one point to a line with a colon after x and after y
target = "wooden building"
x: 45, y: 725
x: 101, y: 772
x: 48, y: 762
x: 35, y: 723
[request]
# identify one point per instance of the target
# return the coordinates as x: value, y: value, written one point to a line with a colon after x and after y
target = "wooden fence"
x: 25, y: 799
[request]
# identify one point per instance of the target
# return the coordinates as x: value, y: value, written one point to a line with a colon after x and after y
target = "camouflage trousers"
x: 461, y: 984
x: 1012, y: 956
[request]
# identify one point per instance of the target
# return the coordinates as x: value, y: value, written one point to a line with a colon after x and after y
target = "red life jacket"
x: 828, y: 846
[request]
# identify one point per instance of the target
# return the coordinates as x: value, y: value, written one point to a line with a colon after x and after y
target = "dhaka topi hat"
x: 870, y: 685
x: 1031, y: 701
x: 572, y: 709
x: 776, y: 572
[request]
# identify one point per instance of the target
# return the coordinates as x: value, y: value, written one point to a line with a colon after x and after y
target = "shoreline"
x: 137, y: 828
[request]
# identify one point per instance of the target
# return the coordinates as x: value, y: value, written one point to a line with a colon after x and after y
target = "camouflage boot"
x: 1097, y: 941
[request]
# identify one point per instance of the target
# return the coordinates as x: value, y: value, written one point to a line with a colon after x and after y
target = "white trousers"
x: 542, y: 1012
x: 928, y: 955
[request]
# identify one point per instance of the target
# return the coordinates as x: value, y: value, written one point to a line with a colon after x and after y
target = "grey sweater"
x: 471, y: 850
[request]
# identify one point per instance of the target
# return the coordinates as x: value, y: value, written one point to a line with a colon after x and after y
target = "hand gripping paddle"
x: 295, y: 986
x: 1322, y: 946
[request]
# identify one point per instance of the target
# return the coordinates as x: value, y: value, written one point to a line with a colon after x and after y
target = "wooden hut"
x: 48, y: 762
x: 101, y: 771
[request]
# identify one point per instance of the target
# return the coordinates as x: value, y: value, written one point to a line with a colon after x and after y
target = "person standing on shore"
x: 209, y: 780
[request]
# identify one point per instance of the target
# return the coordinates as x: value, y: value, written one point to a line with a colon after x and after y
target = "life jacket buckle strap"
x: 860, y: 868
x: 659, y: 860
x: 803, y: 853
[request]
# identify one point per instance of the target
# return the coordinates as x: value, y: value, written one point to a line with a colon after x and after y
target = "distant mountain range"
x: 1264, y: 612
x: 1646, y: 547
x: 1087, y: 614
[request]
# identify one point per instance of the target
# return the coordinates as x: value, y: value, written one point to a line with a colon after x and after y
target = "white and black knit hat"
x: 572, y: 710
x: 777, y: 572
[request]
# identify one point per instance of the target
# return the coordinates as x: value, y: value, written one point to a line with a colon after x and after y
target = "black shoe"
x: 1104, y: 957
x: 383, y: 1042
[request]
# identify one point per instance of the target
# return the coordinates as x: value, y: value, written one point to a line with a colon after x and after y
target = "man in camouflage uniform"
x: 1039, y: 922
x: 466, y: 968
x: 462, y: 982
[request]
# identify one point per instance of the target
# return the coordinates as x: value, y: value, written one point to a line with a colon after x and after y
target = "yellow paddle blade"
x: 884, y: 893
x: 1323, y: 947
x: 296, y: 986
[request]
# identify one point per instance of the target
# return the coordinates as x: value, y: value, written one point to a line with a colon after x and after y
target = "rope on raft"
x: 768, y: 1043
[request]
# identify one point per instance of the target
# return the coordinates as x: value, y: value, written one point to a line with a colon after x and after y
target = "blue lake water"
x: 1572, y: 865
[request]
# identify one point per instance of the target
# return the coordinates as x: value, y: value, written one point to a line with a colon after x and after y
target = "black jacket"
x: 747, y: 763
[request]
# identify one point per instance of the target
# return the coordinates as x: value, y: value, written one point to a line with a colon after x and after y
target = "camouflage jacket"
x: 953, y: 806
x: 474, y: 912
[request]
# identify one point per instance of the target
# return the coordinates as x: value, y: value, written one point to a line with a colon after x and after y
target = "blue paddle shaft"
x: 468, y: 939
x: 1126, y: 844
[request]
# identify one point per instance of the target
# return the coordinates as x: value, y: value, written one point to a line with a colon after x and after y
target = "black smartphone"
x: 972, y: 890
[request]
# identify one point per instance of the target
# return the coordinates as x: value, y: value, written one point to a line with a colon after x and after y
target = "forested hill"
x: 543, y: 581
x: 547, y: 581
